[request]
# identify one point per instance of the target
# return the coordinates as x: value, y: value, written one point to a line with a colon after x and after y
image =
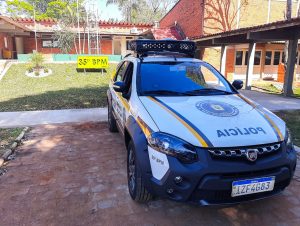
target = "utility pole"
x: 35, y: 38
x: 78, y: 27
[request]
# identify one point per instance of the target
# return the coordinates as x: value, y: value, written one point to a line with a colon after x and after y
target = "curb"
x: 16, y: 143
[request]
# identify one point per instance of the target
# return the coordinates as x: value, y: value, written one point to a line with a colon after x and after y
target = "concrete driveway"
x: 273, y: 102
x: 75, y: 174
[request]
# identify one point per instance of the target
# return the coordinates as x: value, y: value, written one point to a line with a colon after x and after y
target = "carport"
x: 285, y: 30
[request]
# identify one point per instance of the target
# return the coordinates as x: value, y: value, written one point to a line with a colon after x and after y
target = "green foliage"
x: 143, y: 10
x: 37, y: 60
x: 43, y: 8
x: 46, y: 70
x: 29, y: 69
x: 66, y: 39
x: 36, y: 73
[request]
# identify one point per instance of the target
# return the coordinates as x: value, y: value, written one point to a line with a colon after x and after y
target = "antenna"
x: 94, y: 45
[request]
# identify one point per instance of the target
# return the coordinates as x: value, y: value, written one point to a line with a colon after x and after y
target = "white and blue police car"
x: 190, y: 135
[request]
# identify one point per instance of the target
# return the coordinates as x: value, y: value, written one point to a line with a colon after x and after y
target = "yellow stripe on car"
x: 198, y: 137
x: 265, y: 116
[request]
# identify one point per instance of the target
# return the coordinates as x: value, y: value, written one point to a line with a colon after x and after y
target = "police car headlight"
x: 288, y: 140
x: 173, y: 146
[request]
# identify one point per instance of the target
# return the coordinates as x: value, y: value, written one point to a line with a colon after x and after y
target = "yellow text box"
x: 92, y: 62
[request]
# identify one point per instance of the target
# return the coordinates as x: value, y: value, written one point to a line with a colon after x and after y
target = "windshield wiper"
x: 208, y: 90
x: 167, y: 92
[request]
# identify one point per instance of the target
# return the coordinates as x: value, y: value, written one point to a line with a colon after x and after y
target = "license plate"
x: 251, y: 186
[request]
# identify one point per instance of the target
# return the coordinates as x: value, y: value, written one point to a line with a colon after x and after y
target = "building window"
x: 268, y: 58
x: 257, y: 57
x: 276, y: 59
x: 246, y: 58
x: 282, y: 57
x: 49, y: 44
x: 238, y: 57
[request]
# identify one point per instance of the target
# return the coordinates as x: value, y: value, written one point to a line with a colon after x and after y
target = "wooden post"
x: 289, y: 72
x: 249, y: 75
x: 223, y: 60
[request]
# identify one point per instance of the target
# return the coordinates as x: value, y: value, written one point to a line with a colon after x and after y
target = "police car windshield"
x: 182, y: 78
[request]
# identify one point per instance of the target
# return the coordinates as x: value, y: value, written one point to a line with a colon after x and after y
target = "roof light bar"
x: 143, y: 46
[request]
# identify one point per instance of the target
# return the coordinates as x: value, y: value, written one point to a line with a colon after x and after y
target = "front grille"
x: 242, y: 152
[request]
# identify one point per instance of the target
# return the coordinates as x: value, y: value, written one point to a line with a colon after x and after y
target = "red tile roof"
x: 101, y: 22
x: 10, y: 21
x: 163, y: 33
x: 269, y: 26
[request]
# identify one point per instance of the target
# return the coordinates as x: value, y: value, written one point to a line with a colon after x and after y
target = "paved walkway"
x: 273, y: 102
x: 32, y: 118
x: 76, y: 175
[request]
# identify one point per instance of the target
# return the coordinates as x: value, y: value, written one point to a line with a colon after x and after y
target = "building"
x: 17, y: 36
x: 198, y: 18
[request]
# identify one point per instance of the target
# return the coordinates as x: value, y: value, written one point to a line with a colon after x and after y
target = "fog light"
x: 170, y: 190
x: 178, y: 179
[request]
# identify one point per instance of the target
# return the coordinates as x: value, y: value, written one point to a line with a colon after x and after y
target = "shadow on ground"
x: 75, y: 174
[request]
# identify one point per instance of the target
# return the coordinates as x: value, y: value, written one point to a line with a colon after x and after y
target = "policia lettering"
x: 237, y: 132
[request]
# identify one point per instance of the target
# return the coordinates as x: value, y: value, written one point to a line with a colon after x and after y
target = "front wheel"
x: 112, y: 124
x: 136, y: 187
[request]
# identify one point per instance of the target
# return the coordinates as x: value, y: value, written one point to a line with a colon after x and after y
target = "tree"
x: 220, y: 15
x: 143, y: 10
x: 42, y: 8
x: 288, y: 82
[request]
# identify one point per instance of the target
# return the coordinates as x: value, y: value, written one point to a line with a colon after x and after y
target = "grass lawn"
x: 64, y: 89
x: 292, y: 120
x: 268, y: 87
x: 7, y: 137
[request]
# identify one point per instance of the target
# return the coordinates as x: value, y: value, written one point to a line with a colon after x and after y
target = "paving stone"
x: 75, y: 174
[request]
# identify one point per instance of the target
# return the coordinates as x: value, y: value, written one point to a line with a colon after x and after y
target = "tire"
x: 112, y: 124
x: 136, y: 187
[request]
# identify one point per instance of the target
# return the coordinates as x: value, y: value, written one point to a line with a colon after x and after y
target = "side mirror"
x: 119, y: 87
x: 238, y: 84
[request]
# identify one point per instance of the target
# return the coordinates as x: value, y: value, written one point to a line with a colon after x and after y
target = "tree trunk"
x: 288, y: 16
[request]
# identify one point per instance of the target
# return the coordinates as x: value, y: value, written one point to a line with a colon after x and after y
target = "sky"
x: 106, y: 12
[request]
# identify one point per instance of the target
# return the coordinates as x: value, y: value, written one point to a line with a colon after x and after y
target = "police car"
x: 190, y: 135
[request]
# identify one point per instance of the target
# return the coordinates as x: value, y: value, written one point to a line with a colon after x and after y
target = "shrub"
x: 46, y: 70
x: 30, y: 69
x: 37, y: 60
x: 36, y: 73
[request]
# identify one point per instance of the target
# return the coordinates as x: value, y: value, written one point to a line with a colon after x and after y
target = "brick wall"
x: 29, y: 46
x: 188, y: 14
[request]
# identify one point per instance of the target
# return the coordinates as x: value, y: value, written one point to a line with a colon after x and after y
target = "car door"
x: 119, y: 103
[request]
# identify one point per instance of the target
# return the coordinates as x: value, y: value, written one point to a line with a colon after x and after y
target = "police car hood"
x: 215, y: 121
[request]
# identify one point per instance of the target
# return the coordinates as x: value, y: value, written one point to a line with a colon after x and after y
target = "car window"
x: 127, y: 78
x: 121, y: 71
x: 182, y: 77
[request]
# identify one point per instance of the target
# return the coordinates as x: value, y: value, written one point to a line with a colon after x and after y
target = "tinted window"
x: 257, y: 57
x: 268, y: 58
x: 238, y: 57
x: 120, y: 72
x: 181, y: 77
x: 276, y: 58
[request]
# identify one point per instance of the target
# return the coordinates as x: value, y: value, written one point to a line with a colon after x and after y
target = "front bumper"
x: 209, y: 181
